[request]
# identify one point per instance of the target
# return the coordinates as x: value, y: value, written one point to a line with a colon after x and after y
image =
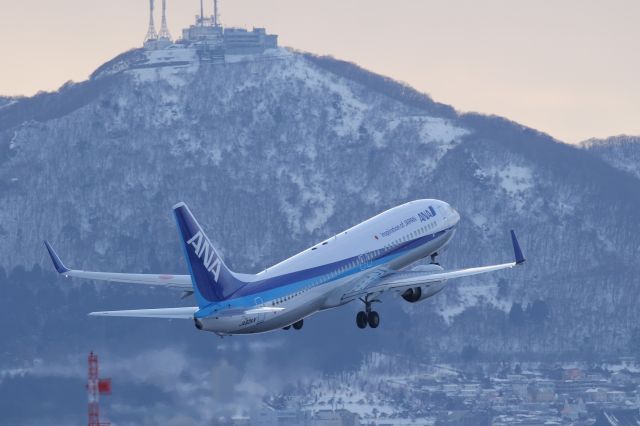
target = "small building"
x: 595, y: 395
x: 616, y: 396
x: 202, y: 32
x: 335, y: 418
x: 264, y: 416
x: 211, y: 39
x: 238, y: 41
x: 573, y: 374
x: 240, y: 421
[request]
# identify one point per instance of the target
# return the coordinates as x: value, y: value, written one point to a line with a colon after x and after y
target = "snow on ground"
x: 269, y: 54
x: 512, y: 179
x: 181, y: 63
x: 441, y: 130
x: 472, y: 294
x: 312, y: 193
x: 432, y: 129
x: 172, y: 54
x: 13, y: 144
x: 373, y: 390
x: 479, y: 220
x: 325, y: 82
x: 515, y: 179
x: 630, y: 366
x: 439, y: 133
x: 9, y: 103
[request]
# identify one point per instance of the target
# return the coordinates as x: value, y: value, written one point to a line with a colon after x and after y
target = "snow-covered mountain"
x: 276, y: 152
x: 622, y: 152
x: 4, y: 101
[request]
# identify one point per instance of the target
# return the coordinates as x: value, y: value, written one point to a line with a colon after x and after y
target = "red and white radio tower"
x: 95, y: 388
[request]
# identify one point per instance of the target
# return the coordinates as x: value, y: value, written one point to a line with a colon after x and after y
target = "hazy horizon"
x: 567, y: 69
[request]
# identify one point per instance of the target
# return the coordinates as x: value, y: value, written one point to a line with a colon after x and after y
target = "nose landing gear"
x: 368, y: 316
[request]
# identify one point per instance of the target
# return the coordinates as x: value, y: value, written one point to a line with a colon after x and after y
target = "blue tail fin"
x: 212, y: 280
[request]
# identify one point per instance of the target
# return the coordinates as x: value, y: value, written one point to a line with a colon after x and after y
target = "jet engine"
x: 413, y: 295
x: 416, y: 294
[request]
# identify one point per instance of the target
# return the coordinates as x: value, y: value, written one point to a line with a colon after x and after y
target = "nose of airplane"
x: 455, y: 216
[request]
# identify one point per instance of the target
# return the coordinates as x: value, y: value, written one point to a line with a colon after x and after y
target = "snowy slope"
x: 622, y: 152
x: 274, y: 153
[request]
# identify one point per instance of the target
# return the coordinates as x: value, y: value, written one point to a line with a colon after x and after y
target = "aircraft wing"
x: 179, y: 313
x: 413, y: 279
x: 180, y: 282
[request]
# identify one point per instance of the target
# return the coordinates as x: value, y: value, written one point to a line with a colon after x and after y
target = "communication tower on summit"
x: 151, y: 31
x: 164, y: 28
x: 210, y: 21
x: 207, y: 35
x: 216, y: 14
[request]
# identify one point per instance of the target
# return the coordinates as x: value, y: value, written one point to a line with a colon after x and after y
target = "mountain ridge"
x: 278, y: 152
x: 621, y: 152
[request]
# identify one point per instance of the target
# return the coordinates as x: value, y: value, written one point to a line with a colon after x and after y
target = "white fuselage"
x: 333, y: 272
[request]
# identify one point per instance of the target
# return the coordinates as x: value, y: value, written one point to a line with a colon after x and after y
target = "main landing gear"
x: 296, y: 325
x: 368, y: 316
x: 434, y: 256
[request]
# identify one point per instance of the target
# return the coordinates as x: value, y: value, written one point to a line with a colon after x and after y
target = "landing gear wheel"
x: 298, y: 325
x: 373, y: 319
x: 361, y: 319
x: 286, y: 328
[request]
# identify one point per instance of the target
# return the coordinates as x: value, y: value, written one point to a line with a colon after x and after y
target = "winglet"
x: 55, y: 259
x: 516, y: 249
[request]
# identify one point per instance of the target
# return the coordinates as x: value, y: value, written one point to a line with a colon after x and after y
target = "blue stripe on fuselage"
x: 283, y: 285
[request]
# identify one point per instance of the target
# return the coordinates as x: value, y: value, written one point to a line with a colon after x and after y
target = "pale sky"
x: 566, y: 67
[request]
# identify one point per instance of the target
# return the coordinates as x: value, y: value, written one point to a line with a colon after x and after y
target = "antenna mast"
x: 151, y: 32
x: 164, y: 28
x: 216, y: 15
x: 201, y: 13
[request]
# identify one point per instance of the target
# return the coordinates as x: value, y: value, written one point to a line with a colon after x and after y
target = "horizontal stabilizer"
x: 178, y: 313
x: 250, y: 311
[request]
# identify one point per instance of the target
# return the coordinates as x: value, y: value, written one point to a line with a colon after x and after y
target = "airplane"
x: 380, y: 255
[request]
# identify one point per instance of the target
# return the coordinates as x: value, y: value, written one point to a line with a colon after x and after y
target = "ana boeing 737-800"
x: 359, y: 264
